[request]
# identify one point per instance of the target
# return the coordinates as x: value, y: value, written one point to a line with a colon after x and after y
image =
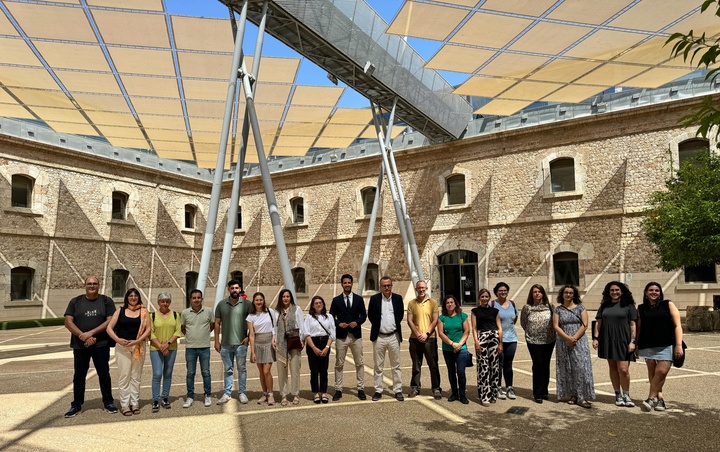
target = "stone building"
x: 550, y: 203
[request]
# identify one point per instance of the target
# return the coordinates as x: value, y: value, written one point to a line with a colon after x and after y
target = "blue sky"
x: 309, y: 73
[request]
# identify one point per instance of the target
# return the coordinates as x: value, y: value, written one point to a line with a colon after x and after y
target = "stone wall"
x: 511, y: 219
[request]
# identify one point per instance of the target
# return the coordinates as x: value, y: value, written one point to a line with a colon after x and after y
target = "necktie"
x: 347, y: 301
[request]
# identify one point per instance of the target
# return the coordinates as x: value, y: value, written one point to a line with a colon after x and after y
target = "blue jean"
x: 506, y: 361
x: 191, y: 357
x: 231, y: 354
x: 162, y: 369
x: 456, y: 364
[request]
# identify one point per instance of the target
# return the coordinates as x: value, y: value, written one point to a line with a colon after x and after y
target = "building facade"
x: 549, y: 204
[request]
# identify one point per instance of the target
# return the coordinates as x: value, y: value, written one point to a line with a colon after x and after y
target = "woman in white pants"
x: 289, y: 337
x: 130, y: 327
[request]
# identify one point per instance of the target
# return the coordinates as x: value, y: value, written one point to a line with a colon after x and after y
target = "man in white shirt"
x: 385, y: 313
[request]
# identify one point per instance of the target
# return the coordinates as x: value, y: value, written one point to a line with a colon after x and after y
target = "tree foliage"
x: 702, y: 52
x: 684, y: 222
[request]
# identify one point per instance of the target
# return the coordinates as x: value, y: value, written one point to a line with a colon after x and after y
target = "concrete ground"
x: 36, y: 390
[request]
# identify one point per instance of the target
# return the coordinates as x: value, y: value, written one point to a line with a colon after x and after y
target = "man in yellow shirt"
x: 422, y: 317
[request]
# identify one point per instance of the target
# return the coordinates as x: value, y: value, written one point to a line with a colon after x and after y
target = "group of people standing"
x: 621, y: 333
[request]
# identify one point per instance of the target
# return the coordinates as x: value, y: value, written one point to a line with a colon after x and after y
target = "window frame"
x: 372, y: 267
x: 115, y: 286
x: 562, y: 173
x: 699, y: 270
x: 28, y: 274
x: 28, y: 186
x: 122, y: 198
x: 448, y: 180
x: 295, y: 203
x: 189, y: 219
x: 367, y: 203
x: 564, y: 257
x: 299, y: 279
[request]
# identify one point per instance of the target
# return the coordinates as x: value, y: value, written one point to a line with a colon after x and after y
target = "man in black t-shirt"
x: 87, y: 317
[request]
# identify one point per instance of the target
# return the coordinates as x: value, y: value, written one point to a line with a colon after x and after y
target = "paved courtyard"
x: 36, y: 390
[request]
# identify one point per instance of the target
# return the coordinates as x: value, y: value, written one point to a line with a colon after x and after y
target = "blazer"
x: 374, y: 314
x: 340, y: 312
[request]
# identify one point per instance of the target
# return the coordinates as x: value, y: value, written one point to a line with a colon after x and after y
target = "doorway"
x: 459, y: 275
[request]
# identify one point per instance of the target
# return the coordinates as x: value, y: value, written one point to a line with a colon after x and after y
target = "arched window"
x: 237, y: 275
x: 372, y: 276
x: 238, y: 222
x: 298, y: 275
x: 297, y: 206
x: 689, y: 148
x: 119, y: 282
x: 567, y: 269
x: 191, y: 280
x: 368, y: 199
x: 562, y: 175
x: 455, y: 188
x: 22, y: 187
x: 21, y: 279
x: 189, y: 216
x: 119, y: 207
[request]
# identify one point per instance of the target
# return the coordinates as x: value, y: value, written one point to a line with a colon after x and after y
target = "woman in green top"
x: 454, y: 330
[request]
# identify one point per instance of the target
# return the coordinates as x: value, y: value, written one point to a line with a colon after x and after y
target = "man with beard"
x: 230, y: 315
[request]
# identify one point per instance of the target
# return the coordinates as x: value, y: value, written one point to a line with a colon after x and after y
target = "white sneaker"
x: 224, y: 399
x: 243, y: 398
x: 208, y: 400
x: 500, y: 394
x: 188, y: 402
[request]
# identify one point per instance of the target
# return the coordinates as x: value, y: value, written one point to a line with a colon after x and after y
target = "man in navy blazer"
x: 348, y: 310
x: 385, y: 313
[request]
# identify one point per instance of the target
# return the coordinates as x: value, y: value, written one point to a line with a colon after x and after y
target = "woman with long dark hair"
x: 320, y: 334
x: 130, y: 327
x: 660, y: 339
x: 536, y: 318
x: 261, y: 330
x: 289, y: 337
x: 454, y: 331
x: 572, y: 353
x: 614, y: 337
x: 487, y: 334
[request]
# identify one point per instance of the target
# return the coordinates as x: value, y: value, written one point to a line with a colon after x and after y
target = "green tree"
x: 702, y: 52
x: 684, y: 222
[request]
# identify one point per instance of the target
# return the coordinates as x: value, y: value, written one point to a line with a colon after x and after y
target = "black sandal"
x: 324, y: 398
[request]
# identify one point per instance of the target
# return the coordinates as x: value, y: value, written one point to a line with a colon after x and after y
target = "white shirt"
x: 261, y: 321
x: 313, y: 328
x: 387, y: 316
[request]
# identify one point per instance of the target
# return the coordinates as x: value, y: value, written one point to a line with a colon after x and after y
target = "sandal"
x: 126, y: 411
x: 316, y: 399
x: 296, y: 400
x: 136, y: 410
x: 324, y: 398
x: 270, y: 399
x: 584, y: 403
x: 262, y: 399
x: 572, y: 401
x: 283, y: 402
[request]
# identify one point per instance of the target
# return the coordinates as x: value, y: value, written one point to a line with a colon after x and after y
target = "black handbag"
x: 292, y: 337
x: 678, y: 362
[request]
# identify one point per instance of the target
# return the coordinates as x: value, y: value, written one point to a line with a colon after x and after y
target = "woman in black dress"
x: 614, y: 337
